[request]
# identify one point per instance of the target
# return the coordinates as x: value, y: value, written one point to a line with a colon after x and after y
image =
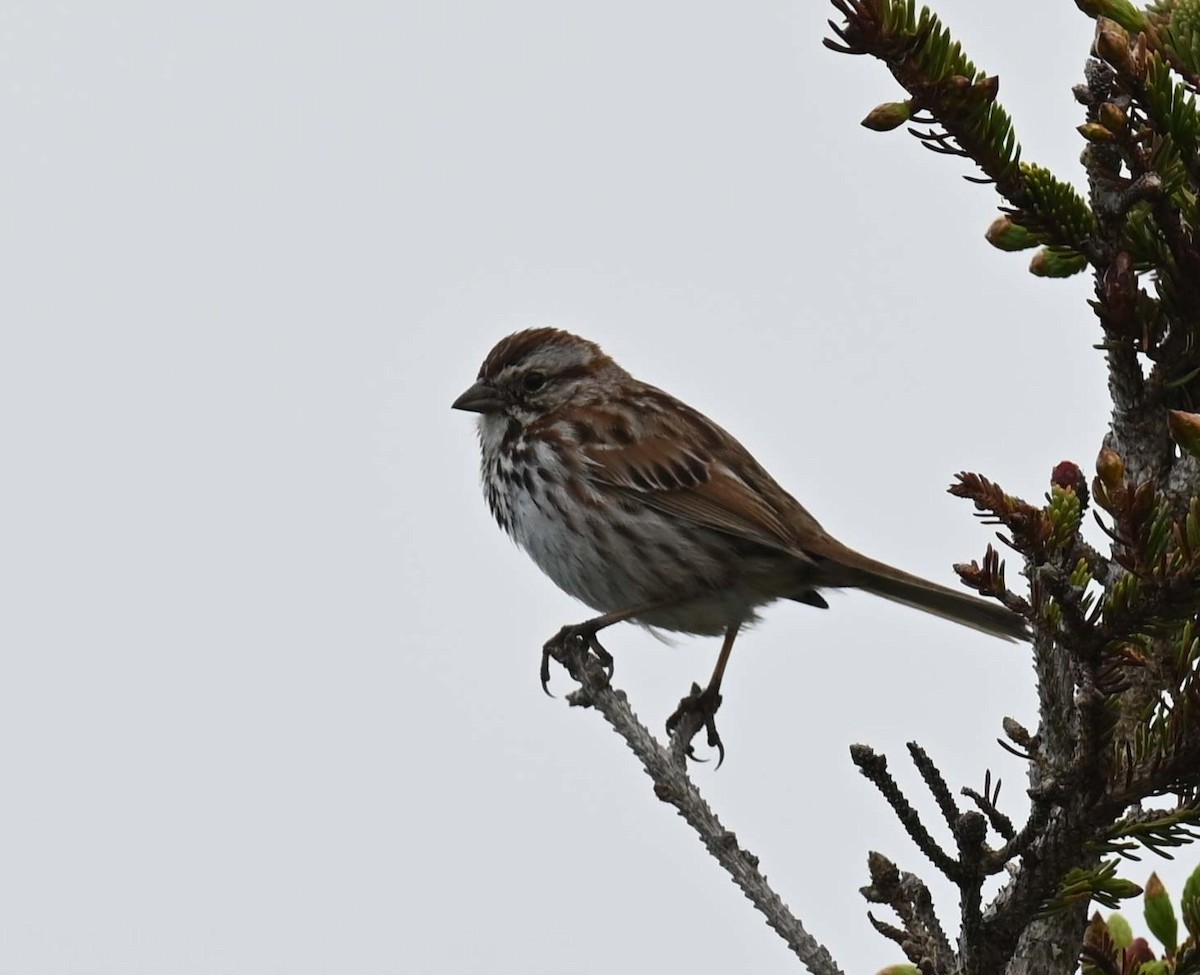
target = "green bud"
x: 1094, y: 132
x: 1005, y: 235
x: 1120, y: 931
x: 900, y: 970
x: 1160, y: 914
x: 1057, y: 262
x: 888, y: 116
x: 1190, y: 904
x: 1122, y: 888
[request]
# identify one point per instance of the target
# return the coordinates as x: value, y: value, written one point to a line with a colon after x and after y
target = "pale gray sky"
x: 270, y: 698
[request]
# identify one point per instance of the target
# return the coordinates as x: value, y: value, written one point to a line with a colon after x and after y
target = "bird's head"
x: 532, y: 373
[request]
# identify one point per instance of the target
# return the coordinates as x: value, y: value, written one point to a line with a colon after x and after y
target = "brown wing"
x: 677, y: 461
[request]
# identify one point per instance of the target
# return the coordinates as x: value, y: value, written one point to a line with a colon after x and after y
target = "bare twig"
x: 999, y: 822
x: 935, y: 782
x: 969, y: 833
x: 921, y: 939
x: 667, y: 768
x: 874, y: 767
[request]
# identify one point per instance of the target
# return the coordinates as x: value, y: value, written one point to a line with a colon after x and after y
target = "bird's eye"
x: 533, y: 381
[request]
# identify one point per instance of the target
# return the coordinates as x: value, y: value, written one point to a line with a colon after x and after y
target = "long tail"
x: 883, y: 580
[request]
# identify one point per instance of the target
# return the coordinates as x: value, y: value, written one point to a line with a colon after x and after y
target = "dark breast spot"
x: 527, y: 479
x: 497, y: 510
x: 544, y: 474
x: 511, y: 432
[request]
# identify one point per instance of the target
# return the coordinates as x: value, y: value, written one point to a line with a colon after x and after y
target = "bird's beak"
x: 480, y: 398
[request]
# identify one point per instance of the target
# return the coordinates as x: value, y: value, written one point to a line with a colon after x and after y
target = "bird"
x: 646, y: 510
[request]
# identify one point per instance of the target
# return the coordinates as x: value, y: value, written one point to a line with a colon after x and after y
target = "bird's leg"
x: 586, y: 633
x: 704, y: 703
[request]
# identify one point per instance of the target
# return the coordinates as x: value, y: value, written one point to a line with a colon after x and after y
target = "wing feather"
x: 678, y: 462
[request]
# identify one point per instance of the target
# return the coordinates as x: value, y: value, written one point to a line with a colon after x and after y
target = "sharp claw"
x: 544, y: 671
x: 605, y: 658
x: 548, y: 649
x: 561, y: 640
x: 677, y: 714
x: 705, y: 704
x: 714, y: 741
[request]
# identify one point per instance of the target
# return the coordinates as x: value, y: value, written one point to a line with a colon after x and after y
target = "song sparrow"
x: 646, y: 510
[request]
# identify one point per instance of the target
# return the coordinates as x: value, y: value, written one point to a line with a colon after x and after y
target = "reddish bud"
x: 1069, y: 477
x: 1136, y: 955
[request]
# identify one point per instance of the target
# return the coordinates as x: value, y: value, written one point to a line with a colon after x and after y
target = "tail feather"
x: 881, y: 579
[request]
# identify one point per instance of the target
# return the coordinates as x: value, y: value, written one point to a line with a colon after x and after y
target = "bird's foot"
x: 701, y: 707
x: 581, y: 635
